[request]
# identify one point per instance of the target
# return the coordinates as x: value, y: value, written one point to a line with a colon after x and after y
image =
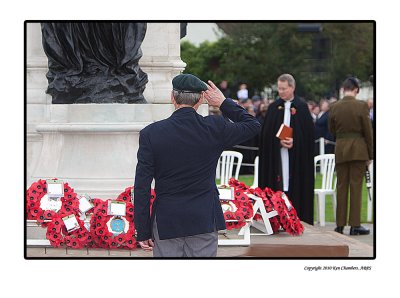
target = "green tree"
x: 257, y: 53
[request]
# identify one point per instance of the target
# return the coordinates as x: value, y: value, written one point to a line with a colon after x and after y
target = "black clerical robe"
x: 301, y: 156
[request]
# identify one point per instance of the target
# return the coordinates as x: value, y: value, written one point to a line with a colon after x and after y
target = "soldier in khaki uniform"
x: 349, y: 122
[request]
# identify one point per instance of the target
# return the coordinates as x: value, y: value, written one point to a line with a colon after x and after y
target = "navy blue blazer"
x: 181, y: 154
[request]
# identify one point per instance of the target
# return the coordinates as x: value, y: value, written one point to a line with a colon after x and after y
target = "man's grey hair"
x: 186, y: 98
x: 288, y: 78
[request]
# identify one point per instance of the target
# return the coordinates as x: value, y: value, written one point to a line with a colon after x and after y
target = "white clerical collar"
x: 290, y: 100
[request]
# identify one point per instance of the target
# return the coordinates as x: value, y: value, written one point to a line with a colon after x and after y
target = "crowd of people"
x: 257, y: 106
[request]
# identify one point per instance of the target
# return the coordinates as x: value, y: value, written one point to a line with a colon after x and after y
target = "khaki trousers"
x: 349, y: 176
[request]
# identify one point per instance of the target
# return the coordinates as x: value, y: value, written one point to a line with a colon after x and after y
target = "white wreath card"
x: 85, y: 204
x: 226, y: 193
x: 55, y: 188
x: 71, y: 224
x: 116, y: 208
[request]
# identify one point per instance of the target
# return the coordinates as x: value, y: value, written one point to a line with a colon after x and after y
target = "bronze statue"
x: 94, y: 62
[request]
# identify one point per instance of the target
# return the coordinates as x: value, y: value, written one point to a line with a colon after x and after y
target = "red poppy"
x: 40, y: 217
x: 55, y: 238
x: 67, y: 188
x: 75, y: 243
x: 120, y: 239
x: 54, y: 227
x: 56, y: 242
x: 31, y: 197
x: 107, y: 236
x: 68, y: 240
x: 243, y: 198
x: 38, y: 187
x: 113, y: 243
x: 239, y: 216
x: 131, y: 242
x: 129, y: 210
x: 49, y: 214
x: 100, y: 231
x: 35, y: 210
x: 228, y: 215
x: 249, y: 213
x: 229, y: 225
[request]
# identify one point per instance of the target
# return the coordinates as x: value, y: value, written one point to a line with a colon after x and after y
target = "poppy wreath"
x: 35, y: 193
x: 101, y: 237
x: 243, y: 204
x: 288, y: 219
x: 58, y: 235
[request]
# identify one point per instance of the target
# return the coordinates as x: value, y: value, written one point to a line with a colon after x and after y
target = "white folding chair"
x: 244, y: 241
x: 327, y: 170
x: 264, y: 226
x: 255, y: 181
x: 225, y: 166
x: 370, y: 199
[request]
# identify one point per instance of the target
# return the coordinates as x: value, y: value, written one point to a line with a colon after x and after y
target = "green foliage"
x: 257, y: 53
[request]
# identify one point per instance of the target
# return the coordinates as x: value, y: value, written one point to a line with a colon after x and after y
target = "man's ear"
x: 172, y: 98
x: 201, y: 101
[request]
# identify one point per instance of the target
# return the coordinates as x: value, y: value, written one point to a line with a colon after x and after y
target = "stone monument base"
x: 94, y: 147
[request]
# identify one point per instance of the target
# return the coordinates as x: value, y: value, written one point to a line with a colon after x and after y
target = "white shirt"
x: 285, y: 151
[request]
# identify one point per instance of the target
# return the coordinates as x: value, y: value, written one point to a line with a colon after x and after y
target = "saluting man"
x: 349, y: 122
x: 181, y: 154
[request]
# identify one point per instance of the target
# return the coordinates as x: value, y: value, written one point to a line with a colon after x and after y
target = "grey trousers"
x: 197, y: 246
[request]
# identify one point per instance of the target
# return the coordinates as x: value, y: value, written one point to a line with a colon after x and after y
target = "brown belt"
x: 349, y: 135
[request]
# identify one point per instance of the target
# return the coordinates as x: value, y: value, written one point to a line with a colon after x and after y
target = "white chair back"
x: 255, y: 181
x: 225, y: 166
x: 327, y: 170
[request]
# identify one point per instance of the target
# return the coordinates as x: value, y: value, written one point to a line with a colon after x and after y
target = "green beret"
x: 188, y: 83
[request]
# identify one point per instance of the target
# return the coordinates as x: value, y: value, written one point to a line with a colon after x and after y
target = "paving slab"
x: 359, y: 246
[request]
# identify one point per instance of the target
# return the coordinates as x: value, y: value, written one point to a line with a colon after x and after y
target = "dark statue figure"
x: 94, y: 62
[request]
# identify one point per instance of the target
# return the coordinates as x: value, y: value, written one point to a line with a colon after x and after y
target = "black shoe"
x: 339, y: 230
x: 359, y: 231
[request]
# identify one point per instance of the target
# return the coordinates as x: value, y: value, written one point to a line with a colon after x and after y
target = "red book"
x: 284, y: 132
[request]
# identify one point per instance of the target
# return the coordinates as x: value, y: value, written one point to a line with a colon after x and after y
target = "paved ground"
x: 367, y: 239
x: 359, y: 246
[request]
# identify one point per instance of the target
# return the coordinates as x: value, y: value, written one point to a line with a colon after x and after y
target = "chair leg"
x: 317, y: 201
x: 321, y: 207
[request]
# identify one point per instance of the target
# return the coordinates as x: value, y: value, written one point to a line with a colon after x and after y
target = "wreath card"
x: 71, y: 224
x: 85, y: 204
x: 55, y: 188
x: 116, y: 208
x: 226, y: 193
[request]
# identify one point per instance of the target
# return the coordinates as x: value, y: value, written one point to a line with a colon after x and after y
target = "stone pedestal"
x: 94, y: 146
